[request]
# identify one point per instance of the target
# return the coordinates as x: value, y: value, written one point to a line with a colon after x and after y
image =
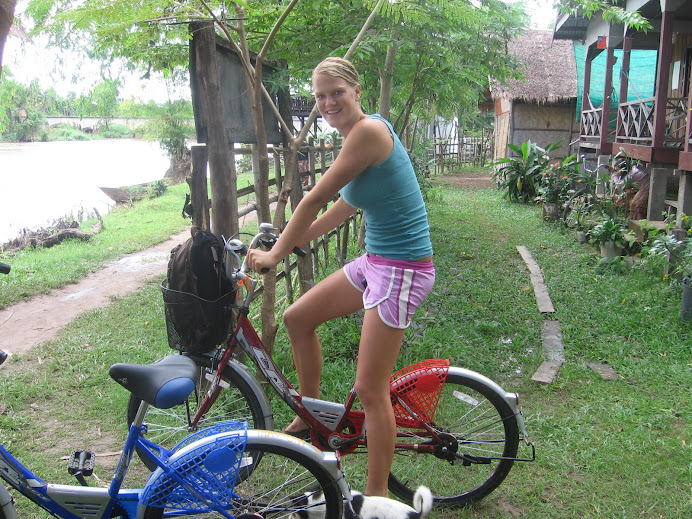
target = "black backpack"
x: 197, y: 294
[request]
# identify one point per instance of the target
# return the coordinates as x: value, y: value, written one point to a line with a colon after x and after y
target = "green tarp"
x: 642, y: 75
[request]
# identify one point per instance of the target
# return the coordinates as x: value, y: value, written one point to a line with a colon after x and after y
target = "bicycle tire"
x: 277, y: 486
x: 167, y: 427
x: 487, y: 426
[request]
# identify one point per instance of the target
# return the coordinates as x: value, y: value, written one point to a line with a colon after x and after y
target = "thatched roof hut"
x: 542, y: 106
x: 548, y: 67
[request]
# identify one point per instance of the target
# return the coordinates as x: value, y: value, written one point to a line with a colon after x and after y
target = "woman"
x: 372, y: 172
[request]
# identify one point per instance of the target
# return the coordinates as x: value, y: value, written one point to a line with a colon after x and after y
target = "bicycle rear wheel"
x: 480, y: 424
x: 167, y: 427
x: 284, y: 481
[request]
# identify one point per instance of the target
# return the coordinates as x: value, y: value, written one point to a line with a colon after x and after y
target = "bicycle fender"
x: 250, y: 380
x: 328, y: 459
x: 510, y: 398
x: 7, y: 503
x: 210, y: 444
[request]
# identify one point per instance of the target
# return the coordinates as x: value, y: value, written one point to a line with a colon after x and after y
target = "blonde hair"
x: 338, y: 67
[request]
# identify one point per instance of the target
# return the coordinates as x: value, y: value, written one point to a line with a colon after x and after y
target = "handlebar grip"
x: 4, y: 268
x: 299, y: 252
x: 265, y: 270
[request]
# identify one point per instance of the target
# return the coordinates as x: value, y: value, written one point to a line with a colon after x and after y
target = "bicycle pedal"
x: 81, y: 463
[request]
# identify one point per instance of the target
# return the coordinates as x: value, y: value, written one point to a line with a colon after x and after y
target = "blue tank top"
x: 396, y: 221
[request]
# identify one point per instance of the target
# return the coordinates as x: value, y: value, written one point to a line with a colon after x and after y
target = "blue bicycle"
x: 226, y: 470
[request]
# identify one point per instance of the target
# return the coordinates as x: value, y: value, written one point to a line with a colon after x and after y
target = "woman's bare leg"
x: 332, y: 297
x: 379, y: 349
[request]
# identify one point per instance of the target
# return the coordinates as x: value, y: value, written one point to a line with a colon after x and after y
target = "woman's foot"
x: 298, y: 428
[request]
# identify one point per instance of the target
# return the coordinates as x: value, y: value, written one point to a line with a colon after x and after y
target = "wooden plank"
x: 552, y: 341
x: 545, y: 305
x: 546, y: 372
x: 605, y: 371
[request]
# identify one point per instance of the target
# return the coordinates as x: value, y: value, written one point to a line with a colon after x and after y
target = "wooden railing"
x: 591, y: 123
x: 676, y: 122
x: 636, y: 122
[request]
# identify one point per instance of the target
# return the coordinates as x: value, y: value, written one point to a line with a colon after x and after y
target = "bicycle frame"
x: 329, y: 420
x: 72, y: 501
x: 75, y: 502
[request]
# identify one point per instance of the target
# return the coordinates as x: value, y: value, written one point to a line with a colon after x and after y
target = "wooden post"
x: 624, y: 81
x: 344, y: 243
x: 277, y: 172
x: 665, y: 51
x: 224, y: 201
x: 311, y: 161
x: 604, y: 146
x: 198, y: 187
x: 306, y: 278
x: 585, y: 100
x: 323, y: 157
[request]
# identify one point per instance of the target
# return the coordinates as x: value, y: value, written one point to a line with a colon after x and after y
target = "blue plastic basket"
x: 200, y: 471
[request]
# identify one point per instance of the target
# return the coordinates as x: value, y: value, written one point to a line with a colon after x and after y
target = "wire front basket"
x: 194, y: 324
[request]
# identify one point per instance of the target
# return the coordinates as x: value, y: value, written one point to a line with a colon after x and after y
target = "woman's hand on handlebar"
x: 260, y: 260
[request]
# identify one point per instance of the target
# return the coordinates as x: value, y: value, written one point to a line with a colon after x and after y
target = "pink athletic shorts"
x: 395, y: 287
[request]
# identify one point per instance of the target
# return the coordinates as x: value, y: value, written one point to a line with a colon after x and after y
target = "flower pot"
x: 550, y: 211
x: 686, y: 308
x: 610, y: 250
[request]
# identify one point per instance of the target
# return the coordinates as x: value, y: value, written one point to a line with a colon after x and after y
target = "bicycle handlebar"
x: 235, y: 248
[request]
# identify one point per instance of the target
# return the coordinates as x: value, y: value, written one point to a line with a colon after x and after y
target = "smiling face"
x: 338, y: 101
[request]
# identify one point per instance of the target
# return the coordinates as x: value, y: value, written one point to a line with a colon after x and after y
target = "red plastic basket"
x: 419, y: 386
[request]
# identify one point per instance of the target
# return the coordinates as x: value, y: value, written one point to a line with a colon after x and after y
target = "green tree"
x: 170, y: 123
x: 104, y: 100
x: 6, y: 17
x: 21, y: 118
x: 610, y: 10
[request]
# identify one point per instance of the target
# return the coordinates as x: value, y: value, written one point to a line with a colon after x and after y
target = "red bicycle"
x: 458, y: 432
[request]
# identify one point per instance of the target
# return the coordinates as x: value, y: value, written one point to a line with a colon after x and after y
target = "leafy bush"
x: 157, y: 189
x: 67, y: 132
x: 520, y: 176
x: 116, y: 131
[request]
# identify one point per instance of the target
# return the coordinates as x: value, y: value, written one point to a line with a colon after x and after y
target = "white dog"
x: 371, y: 507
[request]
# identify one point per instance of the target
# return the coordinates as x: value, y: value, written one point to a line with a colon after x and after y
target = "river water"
x: 43, y: 181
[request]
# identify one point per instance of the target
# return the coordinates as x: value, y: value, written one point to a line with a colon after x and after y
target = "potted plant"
x: 679, y: 254
x: 610, y: 236
x: 577, y: 219
x: 554, y: 186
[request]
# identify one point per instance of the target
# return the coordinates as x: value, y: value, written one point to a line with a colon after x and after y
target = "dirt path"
x: 28, y: 323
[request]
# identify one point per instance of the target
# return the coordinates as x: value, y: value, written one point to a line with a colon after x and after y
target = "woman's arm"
x: 337, y: 213
x: 368, y: 143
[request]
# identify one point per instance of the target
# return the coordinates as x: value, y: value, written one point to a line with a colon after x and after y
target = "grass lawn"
x: 605, y: 449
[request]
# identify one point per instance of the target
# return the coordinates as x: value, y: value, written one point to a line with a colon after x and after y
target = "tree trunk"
x: 386, y: 80
x: 6, y: 18
x: 224, y: 202
x: 253, y: 79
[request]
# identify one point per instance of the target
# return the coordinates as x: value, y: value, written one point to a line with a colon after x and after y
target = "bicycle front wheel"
x: 237, y: 401
x: 480, y: 425
x: 283, y: 482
